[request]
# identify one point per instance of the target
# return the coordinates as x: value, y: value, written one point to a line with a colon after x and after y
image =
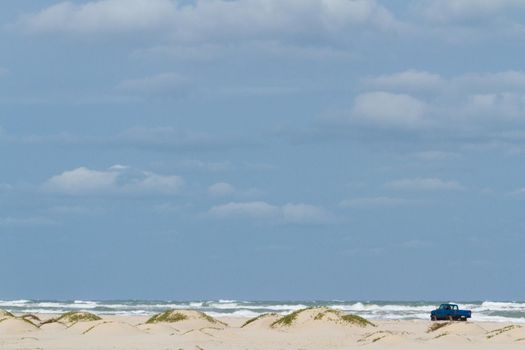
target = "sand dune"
x: 14, y: 325
x: 314, y: 328
x: 112, y: 328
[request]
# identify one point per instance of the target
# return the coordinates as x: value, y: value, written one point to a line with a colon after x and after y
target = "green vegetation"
x: 172, y: 316
x: 357, y: 320
x: 499, y: 331
x: 257, y: 318
x: 435, y: 326
x: 378, y: 338
x: 209, y: 318
x: 169, y: 316
x: 288, y: 319
x: 441, y: 335
x: 74, y: 317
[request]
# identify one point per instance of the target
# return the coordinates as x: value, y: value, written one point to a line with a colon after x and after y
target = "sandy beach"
x: 317, y: 328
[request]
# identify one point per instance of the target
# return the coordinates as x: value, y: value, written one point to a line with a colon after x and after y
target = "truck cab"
x: 450, y: 312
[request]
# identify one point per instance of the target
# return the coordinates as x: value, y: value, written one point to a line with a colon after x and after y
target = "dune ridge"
x: 311, y: 328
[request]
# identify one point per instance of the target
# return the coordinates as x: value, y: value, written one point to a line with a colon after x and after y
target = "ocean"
x: 495, y: 311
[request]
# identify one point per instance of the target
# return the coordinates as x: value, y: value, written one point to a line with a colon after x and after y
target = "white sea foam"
x: 494, y: 311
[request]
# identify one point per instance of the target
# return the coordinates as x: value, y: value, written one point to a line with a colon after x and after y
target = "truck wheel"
x: 464, y: 319
x: 433, y: 318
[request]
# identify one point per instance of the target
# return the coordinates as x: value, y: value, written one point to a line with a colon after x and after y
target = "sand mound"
x: 54, y: 326
x: 5, y: 314
x: 319, y: 316
x: 458, y: 328
x: 112, y: 328
x: 507, y: 333
x: 384, y: 337
x: 261, y: 321
x: 70, y: 318
x: 158, y: 328
x: 16, y: 326
x: 186, y: 319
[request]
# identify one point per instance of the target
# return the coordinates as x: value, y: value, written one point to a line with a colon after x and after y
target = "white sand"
x: 306, y: 332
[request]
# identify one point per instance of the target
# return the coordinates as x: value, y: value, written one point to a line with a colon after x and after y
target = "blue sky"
x: 261, y: 149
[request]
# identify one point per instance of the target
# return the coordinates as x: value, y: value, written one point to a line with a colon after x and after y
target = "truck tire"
x: 433, y: 318
x: 463, y: 318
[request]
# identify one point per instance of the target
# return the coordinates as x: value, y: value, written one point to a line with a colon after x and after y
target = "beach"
x: 312, y: 328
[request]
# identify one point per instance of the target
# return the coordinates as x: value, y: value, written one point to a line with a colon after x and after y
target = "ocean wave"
x: 493, y: 311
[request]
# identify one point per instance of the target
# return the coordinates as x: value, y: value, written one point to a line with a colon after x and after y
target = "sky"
x: 262, y: 149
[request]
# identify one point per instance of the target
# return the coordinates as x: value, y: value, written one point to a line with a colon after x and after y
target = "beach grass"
x: 168, y: 316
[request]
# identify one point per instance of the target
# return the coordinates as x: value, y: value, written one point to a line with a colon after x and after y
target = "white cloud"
x: 424, y: 184
x: 210, y: 20
x: 461, y: 10
x: 165, y: 85
x: 509, y: 80
x: 495, y: 107
x: 374, y: 202
x: 221, y: 189
x: 115, y: 180
x: 386, y: 109
x: 305, y: 214
x: 519, y: 192
x: 467, y: 102
x: 254, y: 210
x: 411, y: 80
x: 82, y: 181
x: 288, y: 213
x: 103, y: 16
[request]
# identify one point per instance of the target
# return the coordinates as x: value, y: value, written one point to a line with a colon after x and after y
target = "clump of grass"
x: 378, y: 338
x: 172, y: 316
x: 319, y: 316
x: 435, y: 326
x: 441, y: 335
x: 210, y: 319
x: 357, y: 320
x: 74, y: 317
x: 499, y: 331
x: 168, y: 316
x: 374, y: 336
x: 288, y: 320
x: 251, y: 320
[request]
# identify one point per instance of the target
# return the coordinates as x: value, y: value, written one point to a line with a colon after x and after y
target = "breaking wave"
x: 495, y: 311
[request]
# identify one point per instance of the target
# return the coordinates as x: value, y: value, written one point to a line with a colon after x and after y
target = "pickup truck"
x: 449, y: 312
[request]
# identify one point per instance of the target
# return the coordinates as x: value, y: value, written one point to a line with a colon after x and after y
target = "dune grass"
x: 74, y: 317
x: 435, y: 326
x: 289, y: 319
x: 357, y: 320
x: 499, y: 331
x: 168, y: 316
x: 172, y: 316
x: 251, y: 320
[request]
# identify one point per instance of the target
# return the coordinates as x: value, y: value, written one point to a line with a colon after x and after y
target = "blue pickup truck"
x: 450, y: 312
